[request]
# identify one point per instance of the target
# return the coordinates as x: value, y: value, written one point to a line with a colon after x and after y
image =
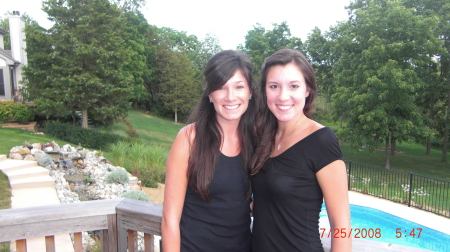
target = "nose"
x: 284, y: 94
x: 231, y: 96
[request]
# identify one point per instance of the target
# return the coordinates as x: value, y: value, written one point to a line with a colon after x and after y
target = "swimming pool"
x: 369, y: 222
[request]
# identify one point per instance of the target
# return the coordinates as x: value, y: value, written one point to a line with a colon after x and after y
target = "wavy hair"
x: 266, y: 122
x: 205, y: 148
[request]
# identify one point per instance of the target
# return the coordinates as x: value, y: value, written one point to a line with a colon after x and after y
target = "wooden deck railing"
x: 118, y: 221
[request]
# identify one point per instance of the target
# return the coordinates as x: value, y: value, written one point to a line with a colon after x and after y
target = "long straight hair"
x: 205, y: 148
x: 266, y: 122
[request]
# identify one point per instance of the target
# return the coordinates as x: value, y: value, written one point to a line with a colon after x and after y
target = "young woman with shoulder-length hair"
x: 296, y: 165
x: 207, y: 192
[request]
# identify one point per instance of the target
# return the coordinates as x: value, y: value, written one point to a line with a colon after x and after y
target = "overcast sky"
x: 228, y: 20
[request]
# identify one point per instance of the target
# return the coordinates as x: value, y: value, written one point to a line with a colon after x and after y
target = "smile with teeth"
x: 284, y: 106
x: 231, y: 106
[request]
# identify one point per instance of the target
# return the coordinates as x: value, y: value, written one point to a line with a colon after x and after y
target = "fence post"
x: 349, y: 172
x: 410, y: 188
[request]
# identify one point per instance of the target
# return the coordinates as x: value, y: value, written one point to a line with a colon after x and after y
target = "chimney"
x: 18, y: 45
x: 17, y: 34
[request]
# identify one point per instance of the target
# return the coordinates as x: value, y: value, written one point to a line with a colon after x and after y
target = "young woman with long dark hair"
x: 207, y: 191
x: 297, y: 164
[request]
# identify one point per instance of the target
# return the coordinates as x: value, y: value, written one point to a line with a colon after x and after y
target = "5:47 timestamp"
x: 414, y: 232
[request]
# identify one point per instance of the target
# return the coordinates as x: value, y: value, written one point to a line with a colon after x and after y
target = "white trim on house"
x: 12, y: 61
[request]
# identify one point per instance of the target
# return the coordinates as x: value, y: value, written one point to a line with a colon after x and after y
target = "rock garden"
x: 81, y: 175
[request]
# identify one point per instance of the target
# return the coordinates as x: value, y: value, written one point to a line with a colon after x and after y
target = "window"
x: 2, y: 83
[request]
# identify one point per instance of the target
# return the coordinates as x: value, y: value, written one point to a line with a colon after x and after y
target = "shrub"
x: 89, y: 138
x: 136, y: 154
x: 148, y: 178
x: 89, y: 180
x: 5, y: 111
x: 130, y: 131
x: 136, y: 195
x: 19, y: 112
x: 23, y: 114
x: 438, y: 144
x: 119, y: 152
x: 155, y: 156
x: 154, y: 168
x: 118, y: 176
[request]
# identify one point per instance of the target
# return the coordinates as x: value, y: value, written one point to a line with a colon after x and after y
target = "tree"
x: 168, y: 39
x: 140, y: 41
x: 39, y: 50
x: 206, y: 49
x: 261, y: 43
x: 128, y: 5
x: 87, y: 56
x: 4, y: 24
x: 179, y: 90
x: 319, y: 51
x: 441, y: 11
x: 378, y: 83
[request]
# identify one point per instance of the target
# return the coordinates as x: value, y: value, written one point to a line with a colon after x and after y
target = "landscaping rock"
x: 82, y: 153
x: 24, y: 151
x: 14, y: 150
x: 45, y: 160
x: 48, y: 149
x: 15, y: 155
x: 36, y: 146
x: 37, y: 153
x: 92, y: 166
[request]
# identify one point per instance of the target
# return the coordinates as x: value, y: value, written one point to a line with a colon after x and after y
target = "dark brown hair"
x: 266, y: 122
x: 205, y: 149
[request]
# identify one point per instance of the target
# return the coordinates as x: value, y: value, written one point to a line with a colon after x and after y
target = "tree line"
x: 383, y: 73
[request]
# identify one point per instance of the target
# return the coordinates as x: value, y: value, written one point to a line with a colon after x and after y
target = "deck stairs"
x: 31, y: 185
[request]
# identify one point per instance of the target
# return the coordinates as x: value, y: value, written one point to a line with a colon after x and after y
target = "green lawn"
x: 151, y: 129
x: 154, y: 129
x: 11, y: 138
x: 412, y: 158
x: 16, y: 137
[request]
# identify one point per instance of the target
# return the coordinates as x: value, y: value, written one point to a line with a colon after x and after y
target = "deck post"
x: 50, y: 243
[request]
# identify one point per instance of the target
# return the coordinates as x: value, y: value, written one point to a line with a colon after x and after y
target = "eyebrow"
x: 290, y: 82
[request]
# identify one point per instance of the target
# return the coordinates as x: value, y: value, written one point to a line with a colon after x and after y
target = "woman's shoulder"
x: 188, y: 130
x: 319, y: 132
x: 185, y: 135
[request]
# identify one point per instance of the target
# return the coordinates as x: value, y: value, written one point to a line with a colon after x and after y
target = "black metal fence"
x: 417, y: 191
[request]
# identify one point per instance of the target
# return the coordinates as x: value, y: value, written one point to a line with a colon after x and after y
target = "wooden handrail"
x: 116, y: 219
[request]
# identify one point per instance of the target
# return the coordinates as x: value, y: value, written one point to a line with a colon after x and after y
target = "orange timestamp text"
x: 350, y: 233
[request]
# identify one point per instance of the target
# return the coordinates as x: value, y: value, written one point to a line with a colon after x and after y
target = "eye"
x: 273, y: 86
x: 293, y: 86
x: 240, y: 87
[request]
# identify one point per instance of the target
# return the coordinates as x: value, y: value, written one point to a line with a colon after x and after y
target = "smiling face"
x: 286, y: 92
x: 231, y: 100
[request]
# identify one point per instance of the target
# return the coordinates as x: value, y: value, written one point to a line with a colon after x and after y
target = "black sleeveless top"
x: 287, y: 195
x: 224, y: 223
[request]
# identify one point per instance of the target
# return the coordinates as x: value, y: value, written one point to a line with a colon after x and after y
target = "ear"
x: 307, y: 92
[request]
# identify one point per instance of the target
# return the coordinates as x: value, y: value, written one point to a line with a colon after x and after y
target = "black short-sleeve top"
x: 287, y: 195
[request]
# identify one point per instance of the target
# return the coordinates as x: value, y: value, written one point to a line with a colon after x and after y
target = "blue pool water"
x: 369, y: 218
